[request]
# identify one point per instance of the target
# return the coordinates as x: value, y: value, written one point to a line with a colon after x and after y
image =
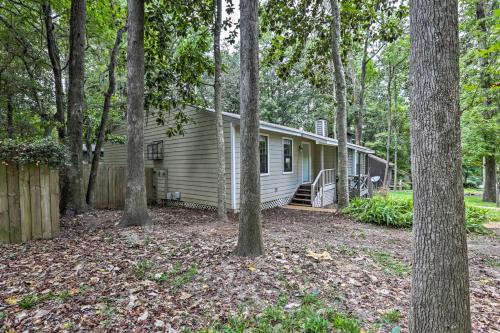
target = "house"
x: 295, y: 165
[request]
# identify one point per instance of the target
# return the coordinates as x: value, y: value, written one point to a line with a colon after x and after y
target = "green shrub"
x: 381, y: 210
x: 399, y: 213
x: 44, y: 151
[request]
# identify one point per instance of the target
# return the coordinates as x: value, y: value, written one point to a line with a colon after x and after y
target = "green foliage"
x: 390, y: 264
x: 184, y: 278
x: 475, y: 219
x: 141, y: 269
x: 380, y: 210
x: 392, y: 316
x: 311, y: 317
x: 44, y: 151
x: 398, y: 212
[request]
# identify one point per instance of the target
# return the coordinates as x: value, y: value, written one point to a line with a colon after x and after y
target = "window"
x: 287, y: 155
x: 264, y: 154
x: 155, y: 150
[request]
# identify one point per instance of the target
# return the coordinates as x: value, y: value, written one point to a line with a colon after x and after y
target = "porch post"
x: 322, y: 157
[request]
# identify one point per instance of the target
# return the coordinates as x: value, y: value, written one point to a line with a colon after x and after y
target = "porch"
x: 319, y: 175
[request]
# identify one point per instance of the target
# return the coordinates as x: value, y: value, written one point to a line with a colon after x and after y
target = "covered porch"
x: 319, y: 165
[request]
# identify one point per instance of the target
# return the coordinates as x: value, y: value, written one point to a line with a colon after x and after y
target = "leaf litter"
x: 180, y: 274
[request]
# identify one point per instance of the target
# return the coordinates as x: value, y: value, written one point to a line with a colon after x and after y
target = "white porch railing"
x: 325, y: 177
x: 358, y: 185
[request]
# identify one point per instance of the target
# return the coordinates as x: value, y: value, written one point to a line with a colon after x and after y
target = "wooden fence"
x: 29, y: 203
x: 110, y: 185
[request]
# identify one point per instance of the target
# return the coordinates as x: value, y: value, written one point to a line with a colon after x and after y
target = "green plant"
x: 392, y: 316
x: 475, y: 218
x: 492, y: 262
x: 381, y: 210
x: 141, y: 269
x: 398, y: 212
x: 43, y: 151
x: 390, y: 264
x: 29, y: 301
x: 183, y: 279
x: 345, y: 324
x: 2, y: 316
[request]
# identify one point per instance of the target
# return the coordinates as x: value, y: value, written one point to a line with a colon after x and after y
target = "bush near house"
x: 399, y: 213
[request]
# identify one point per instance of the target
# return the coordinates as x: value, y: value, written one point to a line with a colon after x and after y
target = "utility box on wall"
x: 160, y: 180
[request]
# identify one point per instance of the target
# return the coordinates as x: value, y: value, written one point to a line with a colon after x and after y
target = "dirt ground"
x: 180, y: 273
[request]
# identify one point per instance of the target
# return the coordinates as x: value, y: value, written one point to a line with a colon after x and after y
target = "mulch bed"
x: 97, y: 276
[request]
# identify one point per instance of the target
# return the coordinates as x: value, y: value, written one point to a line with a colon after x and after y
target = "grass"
x: 175, y: 278
x: 473, y: 198
x: 310, y: 317
x: 141, y: 269
x: 390, y: 265
x: 392, y: 316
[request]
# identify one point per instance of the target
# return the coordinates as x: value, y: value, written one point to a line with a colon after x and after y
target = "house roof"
x: 266, y: 126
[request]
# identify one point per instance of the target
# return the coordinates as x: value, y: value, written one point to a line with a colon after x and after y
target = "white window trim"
x: 268, y: 154
x: 310, y: 163
x: 283, y: 156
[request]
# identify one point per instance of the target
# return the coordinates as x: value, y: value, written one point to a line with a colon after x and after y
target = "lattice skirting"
x: 187, y: 204
x: 264, y: 205
x: 276, y: 203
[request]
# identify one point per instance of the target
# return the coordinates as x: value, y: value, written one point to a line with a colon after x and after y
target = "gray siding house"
x: 296, y: 166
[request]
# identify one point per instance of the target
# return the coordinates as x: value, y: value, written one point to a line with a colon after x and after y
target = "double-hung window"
x: 287, y: 155
x: 264, y: 154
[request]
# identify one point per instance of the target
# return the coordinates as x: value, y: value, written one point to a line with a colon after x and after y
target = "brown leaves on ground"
x: 180, y: 273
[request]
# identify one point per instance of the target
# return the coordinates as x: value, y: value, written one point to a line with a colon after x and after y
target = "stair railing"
x: 325, y: 177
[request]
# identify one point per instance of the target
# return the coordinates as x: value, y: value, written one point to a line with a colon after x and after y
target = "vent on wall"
x: 321, y: 128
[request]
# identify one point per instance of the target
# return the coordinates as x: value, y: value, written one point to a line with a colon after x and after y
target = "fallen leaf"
x: 11, y: 300
x: 319, y: 256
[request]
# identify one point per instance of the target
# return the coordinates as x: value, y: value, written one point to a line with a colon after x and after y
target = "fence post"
x: 4, y: 206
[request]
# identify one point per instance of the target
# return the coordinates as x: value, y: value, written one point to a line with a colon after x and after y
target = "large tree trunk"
x: 361, y: 100
x: 75, y: 103
x: 489, y: 193
x: 10, y: 117
x: 340, y: 90
x: 389, y: 129
x: 490, y: 179
x: 221, y: 153
x: 440, y: 279
x: 250, y: 234
x: 55, y: 61
x: 104, y: 117
x: 136, y: 210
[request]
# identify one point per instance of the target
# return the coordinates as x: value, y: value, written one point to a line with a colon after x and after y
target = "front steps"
x: 302, y: 196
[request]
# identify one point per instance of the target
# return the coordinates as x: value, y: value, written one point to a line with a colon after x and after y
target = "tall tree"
x: 75, y: 103
x: 440, y: 282
x: 55, y: 61
x: 490, y: 176
x: 136, y: 210
x: 104, y: 117
x: 250, y: 231
x: 221, y: 154
x: 340, y: 92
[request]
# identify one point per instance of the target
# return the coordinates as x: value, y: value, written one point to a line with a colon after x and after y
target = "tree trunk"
x: 340, y: 90
x: 440, y: 280
x: 250, y: 234
x: 55, y: 61
x: 75, y: 103
x: 136, y: 210
x: 396, y: 160
x: 221, y: 154
x: 389, y: 129
x: 489, y: 194
x: 104, y: 117
x: 490, y: 179
x: 361, y: 100
x: 10, y: 117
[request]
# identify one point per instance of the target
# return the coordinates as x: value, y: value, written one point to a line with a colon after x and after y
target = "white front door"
x: 306, y: 162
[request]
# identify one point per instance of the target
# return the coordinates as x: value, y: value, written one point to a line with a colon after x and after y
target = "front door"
x: 306, y: 162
